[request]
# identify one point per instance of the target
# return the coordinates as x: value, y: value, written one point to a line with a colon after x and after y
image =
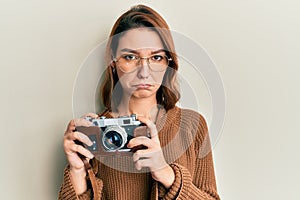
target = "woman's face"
x: 142, y: 81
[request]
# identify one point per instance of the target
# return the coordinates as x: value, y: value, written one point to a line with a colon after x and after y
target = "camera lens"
x: 114, y: 138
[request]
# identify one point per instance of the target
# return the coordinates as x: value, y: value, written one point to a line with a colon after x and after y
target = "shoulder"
x: 193, y: 122
x: 187, y: 116
x: 192, y: 126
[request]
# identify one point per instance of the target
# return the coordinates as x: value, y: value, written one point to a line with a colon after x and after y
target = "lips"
x: 143, y: 86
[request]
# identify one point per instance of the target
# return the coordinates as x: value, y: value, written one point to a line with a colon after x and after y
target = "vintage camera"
x: 111, y: 135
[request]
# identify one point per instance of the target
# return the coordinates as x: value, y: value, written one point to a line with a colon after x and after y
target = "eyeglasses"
x: 131, y: 62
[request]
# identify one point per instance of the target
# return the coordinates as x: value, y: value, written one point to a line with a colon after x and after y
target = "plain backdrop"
x: 254, y: 44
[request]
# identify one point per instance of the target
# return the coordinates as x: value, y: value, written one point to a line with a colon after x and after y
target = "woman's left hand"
x: 152, y: 157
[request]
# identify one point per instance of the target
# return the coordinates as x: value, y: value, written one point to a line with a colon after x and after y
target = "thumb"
x: 152, y: 128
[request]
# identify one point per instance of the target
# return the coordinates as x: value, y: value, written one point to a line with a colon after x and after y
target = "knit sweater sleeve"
x: 184, y: 188
x: 67, y: 191
x: 199, y: 186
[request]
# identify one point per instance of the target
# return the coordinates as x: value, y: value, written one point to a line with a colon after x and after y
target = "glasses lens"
x: 158, y: 62
x: 127, y: 63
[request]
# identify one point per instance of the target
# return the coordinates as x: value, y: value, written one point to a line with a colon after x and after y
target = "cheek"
x: 158, y: 78
x: 124, y: 79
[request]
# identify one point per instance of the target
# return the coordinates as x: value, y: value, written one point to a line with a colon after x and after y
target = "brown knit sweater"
x: 184, y: 139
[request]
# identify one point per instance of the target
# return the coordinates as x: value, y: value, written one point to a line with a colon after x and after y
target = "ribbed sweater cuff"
x: 86, y: 195
x: 183, y: 187
x: 173, y: 191
x: 185, y: 180
x: 89, y: 193
x: 67, y: 191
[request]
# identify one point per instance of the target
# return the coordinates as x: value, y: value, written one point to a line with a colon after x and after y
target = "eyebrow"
x: 136, y: 52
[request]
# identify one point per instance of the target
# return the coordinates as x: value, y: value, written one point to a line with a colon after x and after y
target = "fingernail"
x: 90, y: 144
x: 91, y: 156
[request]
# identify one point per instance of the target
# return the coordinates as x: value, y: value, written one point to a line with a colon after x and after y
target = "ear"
x: 112, y: 63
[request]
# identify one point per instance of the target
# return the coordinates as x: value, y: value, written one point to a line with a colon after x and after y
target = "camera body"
x: 111, y: 135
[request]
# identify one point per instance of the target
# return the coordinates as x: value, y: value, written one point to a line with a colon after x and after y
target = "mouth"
x: 143, y: 86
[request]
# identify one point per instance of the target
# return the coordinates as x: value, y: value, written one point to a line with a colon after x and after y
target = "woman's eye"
x: 130, y: 57
x: 157, y: 58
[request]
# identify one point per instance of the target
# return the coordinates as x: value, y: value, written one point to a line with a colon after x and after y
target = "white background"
x: 255, y: 45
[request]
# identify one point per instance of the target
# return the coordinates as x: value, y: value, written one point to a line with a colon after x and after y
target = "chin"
x: 143, y: 93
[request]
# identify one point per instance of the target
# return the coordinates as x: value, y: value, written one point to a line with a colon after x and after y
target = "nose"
x: 144, y: 69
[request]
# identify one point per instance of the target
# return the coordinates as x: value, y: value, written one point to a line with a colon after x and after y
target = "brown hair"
x: 137, y: 17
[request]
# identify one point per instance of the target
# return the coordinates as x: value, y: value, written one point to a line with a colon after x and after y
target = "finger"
x: 152, y: 128
x: 81, y: 150
x: 80, y: 137
x: 82, y: 122
x: 92, y: 115
x: 142, y: 163
x: 146, y: 153
x: 71, y: 126
x: 152, y: 163
x: 140, y: 154
x: 141, y: 140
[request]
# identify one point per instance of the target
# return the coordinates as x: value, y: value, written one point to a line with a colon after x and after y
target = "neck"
x: 146, y: 107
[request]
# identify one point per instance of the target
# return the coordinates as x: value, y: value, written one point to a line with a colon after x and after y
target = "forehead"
x: 140, y: 38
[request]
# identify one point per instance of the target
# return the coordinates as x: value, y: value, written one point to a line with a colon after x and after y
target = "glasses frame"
x: 139, y: 59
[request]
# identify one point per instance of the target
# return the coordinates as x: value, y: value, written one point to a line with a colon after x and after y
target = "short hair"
x: 140, y: 16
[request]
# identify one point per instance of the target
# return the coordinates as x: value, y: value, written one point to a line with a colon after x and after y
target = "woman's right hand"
x: 73, y: 149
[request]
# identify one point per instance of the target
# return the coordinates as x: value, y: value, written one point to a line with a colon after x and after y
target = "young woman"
x: 140, y: 79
